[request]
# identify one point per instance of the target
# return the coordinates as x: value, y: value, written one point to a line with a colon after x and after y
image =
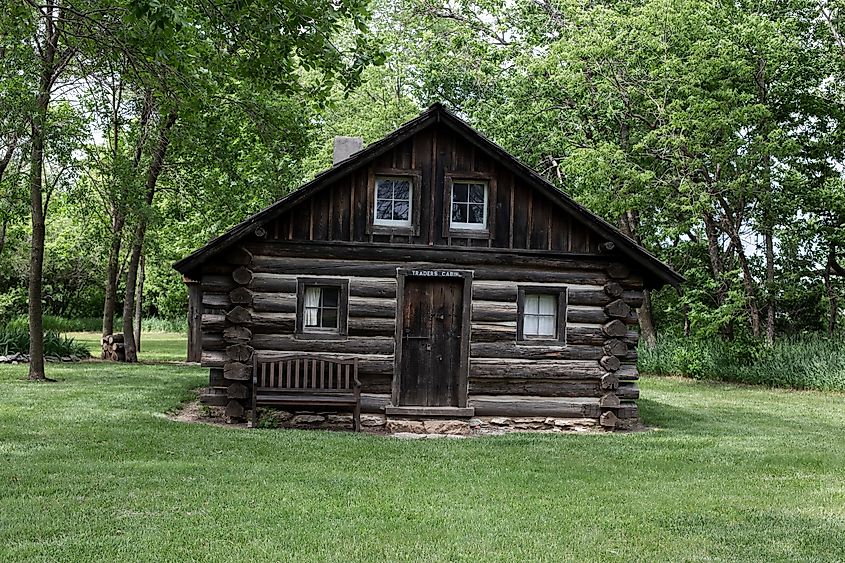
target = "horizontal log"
x: 613, y: 289
x: 237, y: 335
x: 345, y: 268
x: 437, y: 256
x: 358, y: 286
x: 609, y: 363
x: 242, y: 275
x: 352, y: 345
x: 237, y: 371
x: 614, y: 328
x: 615, y: 347
x: 234, y: 409
x: 530, y: 352
x: 618, y: 271
x: 358, y: 306
x: 217, y: 283
x: 239, y: 315
x: 241, y: 296
x: 237, y: 391
x: 507, y: 405
x: 212, y: 358
x: 617, y: 309
x: 216, y: 300
x: 608, y: 420
x: 609, y: 400
x: 239, y: 352
x: 542, y: 388
x: 213, y: 323
x: 610, y: 381
x: 535, y: 369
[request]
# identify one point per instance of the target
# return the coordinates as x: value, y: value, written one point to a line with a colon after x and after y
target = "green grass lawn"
x: 90, y: 469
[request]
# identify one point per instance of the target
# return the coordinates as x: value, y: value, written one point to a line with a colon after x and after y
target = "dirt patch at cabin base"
x: 399, y: 427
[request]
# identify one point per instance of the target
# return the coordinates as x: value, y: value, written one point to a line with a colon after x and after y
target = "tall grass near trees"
x: 806, y: 362
x: 95, y: 324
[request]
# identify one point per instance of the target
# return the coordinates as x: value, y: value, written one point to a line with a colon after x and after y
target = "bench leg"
x: 356, y: 417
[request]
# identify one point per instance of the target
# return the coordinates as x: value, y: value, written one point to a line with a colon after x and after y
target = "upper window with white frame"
x: 469, y: 205
x: 393, y: 201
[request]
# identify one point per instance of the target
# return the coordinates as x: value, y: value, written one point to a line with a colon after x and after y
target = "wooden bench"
x: 304, y: 380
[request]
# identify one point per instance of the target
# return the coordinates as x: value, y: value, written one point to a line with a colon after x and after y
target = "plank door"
x: 431, y: 341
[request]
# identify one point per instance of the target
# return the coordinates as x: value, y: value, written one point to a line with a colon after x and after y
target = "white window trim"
x: 454, y: 225
x: 394, y: 222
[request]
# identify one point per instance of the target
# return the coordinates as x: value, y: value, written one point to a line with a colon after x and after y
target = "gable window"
x: 542, y: 314
x: 469, y: 205
x: 393, y: 201
x: 321, y: 308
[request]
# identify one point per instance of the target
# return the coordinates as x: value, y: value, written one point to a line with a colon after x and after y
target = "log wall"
x: 249, y: 307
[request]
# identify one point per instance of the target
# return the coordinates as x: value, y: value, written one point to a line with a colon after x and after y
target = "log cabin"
x: 463, y: 282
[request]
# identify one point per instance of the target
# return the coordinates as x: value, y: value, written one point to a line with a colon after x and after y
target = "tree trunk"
x: 37, y: 211
x: 832, y: 297
x: 139, y: 302
x: 770, y: 287
x: 154, y: 171
x: 110, y: 302
x: 649, y: 334
x: 3, y: 226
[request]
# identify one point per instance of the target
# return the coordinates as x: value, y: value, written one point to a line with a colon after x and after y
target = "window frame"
x: 375, y: 228
x: 562, y: 294
x: 463, y: 230
x: 310, y: 333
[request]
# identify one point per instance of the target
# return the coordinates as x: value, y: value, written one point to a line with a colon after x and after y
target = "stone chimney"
x: 344, y: 147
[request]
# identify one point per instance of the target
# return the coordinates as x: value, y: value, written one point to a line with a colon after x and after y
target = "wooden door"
x: 432, y: 322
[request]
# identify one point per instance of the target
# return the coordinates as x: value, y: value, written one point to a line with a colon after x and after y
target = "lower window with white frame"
x: 542, y: 314
x: 321, y: 309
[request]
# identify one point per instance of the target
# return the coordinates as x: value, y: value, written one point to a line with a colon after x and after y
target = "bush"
x: 15, y: 340
x: 805, y: 362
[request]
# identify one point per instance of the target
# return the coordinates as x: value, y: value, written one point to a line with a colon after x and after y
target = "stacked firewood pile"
x: 113, y: 348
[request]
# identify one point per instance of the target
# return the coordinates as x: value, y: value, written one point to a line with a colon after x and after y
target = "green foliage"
x: 95, y: 324
x: 16, y: 340
x: 801, y: 362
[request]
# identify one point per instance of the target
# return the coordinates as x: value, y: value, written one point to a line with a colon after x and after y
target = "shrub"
x: 95, y: 324
x: 15, y: 340
x: 805, y: 362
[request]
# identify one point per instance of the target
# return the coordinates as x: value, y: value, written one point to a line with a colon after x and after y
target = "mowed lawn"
x: 90, y: 469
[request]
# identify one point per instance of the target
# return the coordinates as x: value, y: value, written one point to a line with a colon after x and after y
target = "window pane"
x: 546, y: 326
x: 329, y: 319
x: 548, y: 304
x: 532, y: 304
x: 330, y: 295
x: 401, y: 189
x: 530, y: 325
x: 459, y: 213
x: 385, y: 189
x: 476, y: 214
x: 476, y: 193
x: 383, y: 210
x: 459, y: 192
x: 400, y: 211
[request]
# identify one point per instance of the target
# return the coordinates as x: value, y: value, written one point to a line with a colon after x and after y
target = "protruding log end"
x: 610, y: 363
x: 239, y: 315
x: 241, y: 296
x: 609, y: 400
x: 618, y: 309
x: 237, y: 391
x: 610, y: 381
x: 237, y: 335
x: 234, y: 409
x: 615, y: 347
x: 237, y: 371
x: 608, y: 420
x: 613, y: 289
x: 607, y: 247
x: 618, y: 271
x: 615, y: 328
x: 239, y: 352
x: 239, y: 256
x: 242, y: 275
